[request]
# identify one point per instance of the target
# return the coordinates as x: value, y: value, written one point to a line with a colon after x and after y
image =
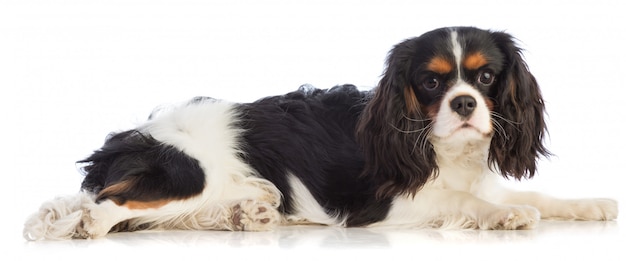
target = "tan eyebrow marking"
x: 474, y: 61
x: 439, y: 65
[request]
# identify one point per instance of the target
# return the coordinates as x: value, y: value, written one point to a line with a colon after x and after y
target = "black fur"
x: 133, y: 166
x: 286, y: 136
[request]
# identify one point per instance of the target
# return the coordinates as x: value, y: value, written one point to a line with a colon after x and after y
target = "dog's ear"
x: 519, y: 115
x: 392, y: 131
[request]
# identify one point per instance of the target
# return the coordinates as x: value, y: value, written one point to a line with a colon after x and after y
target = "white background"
x: 73, y: 71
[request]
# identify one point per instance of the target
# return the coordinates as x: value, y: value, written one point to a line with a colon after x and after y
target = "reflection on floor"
x: 551, y: 240
x: 334, y: 237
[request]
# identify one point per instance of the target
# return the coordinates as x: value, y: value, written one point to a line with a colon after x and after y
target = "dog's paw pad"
x: 254, y: 216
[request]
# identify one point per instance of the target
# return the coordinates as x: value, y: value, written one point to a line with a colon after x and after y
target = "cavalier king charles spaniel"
x: 456, y: 108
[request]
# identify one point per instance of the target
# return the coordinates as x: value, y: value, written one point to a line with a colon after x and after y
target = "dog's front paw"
x: 590, y: 209
x: 510, y: 218
x: 254, y: 216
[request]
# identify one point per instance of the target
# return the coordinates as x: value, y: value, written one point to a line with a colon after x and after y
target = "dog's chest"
x: 462, y: 167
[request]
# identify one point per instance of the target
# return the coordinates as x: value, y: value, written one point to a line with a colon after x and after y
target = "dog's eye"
x: 431, y: 83
x: 486, y: 77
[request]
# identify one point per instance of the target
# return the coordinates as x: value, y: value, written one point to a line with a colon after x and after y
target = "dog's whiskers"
x: 413, y: 120
x: 421, y: 139
x: 409, y: 131
x: 497, y: 115
x: 499, y: 129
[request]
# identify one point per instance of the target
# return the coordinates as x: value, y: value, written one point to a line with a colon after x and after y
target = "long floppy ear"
x: 519, y: 118
x: 392, y: 131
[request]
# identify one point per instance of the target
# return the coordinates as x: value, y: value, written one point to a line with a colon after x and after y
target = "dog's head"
x: 452, y: 86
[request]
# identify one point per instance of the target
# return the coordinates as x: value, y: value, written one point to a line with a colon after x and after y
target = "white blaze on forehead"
x: 457, y: 51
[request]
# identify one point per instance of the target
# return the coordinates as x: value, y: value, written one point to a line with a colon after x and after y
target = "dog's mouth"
x: 467, y: 125
x: 468, y: 130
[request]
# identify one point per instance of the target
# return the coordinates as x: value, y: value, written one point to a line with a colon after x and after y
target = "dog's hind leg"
x: 79, y: 216
x: 58, y: 218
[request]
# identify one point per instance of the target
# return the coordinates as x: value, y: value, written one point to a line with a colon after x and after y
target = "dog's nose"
x: 464, y: 105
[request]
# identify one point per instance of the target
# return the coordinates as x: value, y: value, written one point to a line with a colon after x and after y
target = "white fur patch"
x: 457, y: 50
x: 206, y: 131
x: 306, y: 208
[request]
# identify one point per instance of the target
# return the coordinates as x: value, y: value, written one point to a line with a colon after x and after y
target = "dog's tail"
x: 58, y: 219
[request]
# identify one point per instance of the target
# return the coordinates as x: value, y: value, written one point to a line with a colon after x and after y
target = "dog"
x: 456, y: 109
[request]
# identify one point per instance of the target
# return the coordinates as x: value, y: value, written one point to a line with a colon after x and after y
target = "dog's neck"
x: 460, y: 163
x: 469, y: 153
